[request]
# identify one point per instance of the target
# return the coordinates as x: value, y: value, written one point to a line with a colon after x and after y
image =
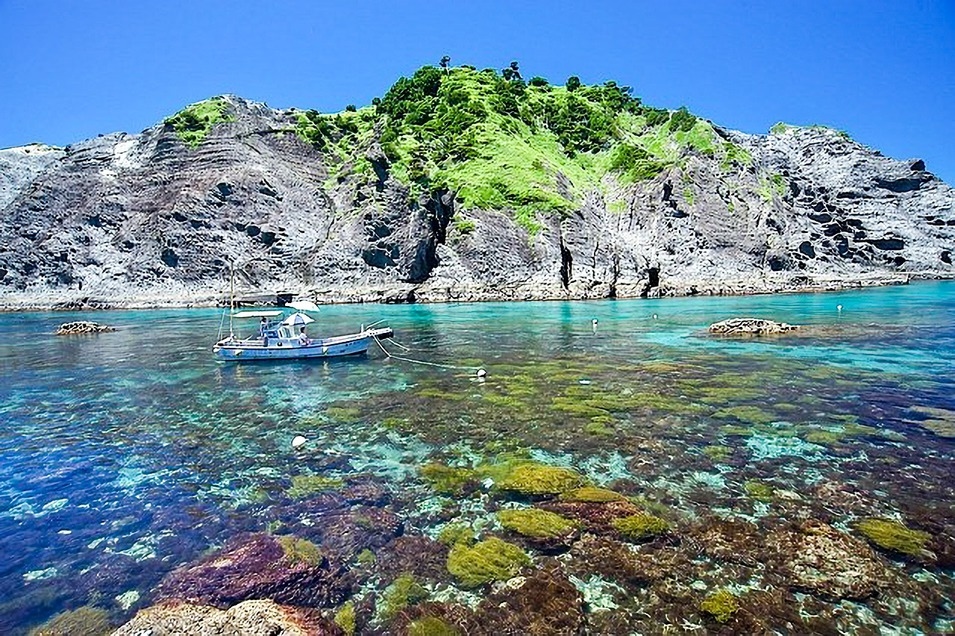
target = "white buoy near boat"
x: 481, y: 373
x: 298, y: 441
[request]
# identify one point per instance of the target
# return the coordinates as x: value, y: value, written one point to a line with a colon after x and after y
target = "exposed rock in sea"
x: 159, y: 219
x: 73, y: 328
x: 250, y: 618
x: 260, y: 566
x: 750, y: 327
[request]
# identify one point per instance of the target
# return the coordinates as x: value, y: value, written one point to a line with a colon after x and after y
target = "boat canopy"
x: 257, y: 314
x: 298, y: 320
x: 303, y: 305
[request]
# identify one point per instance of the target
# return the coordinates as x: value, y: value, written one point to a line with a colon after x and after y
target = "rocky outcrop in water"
x: 82, y: 327
x: 750, y: 327
x: 146, y: 220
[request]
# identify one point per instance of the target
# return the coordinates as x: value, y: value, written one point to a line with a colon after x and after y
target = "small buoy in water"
x: 298, y: 441
x: 593, y: 323
x: 481, y: 373
x: 654, y: 316
x: 839, y: 308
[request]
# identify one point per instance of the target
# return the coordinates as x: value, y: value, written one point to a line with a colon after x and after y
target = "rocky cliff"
x: 387, y: 203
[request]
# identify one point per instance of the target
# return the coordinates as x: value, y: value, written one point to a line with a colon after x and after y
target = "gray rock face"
x: 145, y: 220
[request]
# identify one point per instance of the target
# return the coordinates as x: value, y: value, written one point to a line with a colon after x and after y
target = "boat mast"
x: 231, y: 297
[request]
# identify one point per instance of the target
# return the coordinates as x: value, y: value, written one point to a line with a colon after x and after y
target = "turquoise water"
x: 124, y: 455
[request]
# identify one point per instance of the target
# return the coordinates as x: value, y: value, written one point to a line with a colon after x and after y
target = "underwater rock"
x: 81, y: 327
x: 749, y: 327
x: 544, y: 530
x: 85, y: 621
x: 486, y: 561
x: 540, y: 479
x: 596, y: 517
x: 421, y: 556
x: 608, y: 558
x: 940, y: 421
x: 249, y: 618
x: 640, y: 526
x: 826, y: 562
x: 543, y: 602
x: 258, y: 567
x: 728, y: 540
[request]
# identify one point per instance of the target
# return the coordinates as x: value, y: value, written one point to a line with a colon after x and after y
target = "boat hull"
x: 252, y: 350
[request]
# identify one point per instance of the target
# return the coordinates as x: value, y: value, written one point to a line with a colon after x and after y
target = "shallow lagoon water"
x: 125, y: 455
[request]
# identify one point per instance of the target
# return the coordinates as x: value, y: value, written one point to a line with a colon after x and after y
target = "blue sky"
x: 882, y: 71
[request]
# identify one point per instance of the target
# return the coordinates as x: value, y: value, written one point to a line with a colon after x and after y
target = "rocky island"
x: 460, y: 185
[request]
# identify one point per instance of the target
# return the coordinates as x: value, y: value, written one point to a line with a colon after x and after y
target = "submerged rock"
x: 260, y: 566
x: 250, y: 618
x: 750, y: 327
x: 831, y: 564
x: 82, y: 326
x: 544, y: 602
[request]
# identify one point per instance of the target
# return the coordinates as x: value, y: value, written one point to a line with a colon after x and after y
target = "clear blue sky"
x: 884, y: 71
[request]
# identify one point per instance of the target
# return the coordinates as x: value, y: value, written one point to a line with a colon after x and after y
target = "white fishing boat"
x: 283, y: 336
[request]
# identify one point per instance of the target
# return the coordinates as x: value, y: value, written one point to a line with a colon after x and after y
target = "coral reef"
x: 485, y: 561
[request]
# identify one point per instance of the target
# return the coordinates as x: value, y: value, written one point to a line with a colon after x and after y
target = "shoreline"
x: 72, y: 300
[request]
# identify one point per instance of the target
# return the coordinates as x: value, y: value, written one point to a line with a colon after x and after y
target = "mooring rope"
x: 479, y: 370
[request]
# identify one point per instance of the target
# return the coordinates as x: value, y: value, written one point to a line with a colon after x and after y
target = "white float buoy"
x: 481, y: 373
x: 593, y: 324
x: 839, y: 308
x: 298, y: 441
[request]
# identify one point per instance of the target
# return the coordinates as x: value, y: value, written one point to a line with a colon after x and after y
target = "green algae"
x: 366, y: 557
x: 717, y: 452
x: 300, y: 550
x: 455, y: 533
x: 540, y: 479
x: 748, y: 414
x: 486, y: 561
x: 345, y: 618
x: 447, y: 480
x: 84, y: 621
x: 307, y: 485
x: 640, y: 526
x: 759, y: 491
x: 893, y: 536
x: 598, y: 426
x: 536, y: 523
x: 347, y: 414
x: 720, y: 605
x: 403, y: 592
x: 430, y: 626
x: 591, y: 494
x: 824, y: 437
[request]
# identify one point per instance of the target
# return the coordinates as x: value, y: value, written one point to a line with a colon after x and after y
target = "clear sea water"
x: 123, y: 455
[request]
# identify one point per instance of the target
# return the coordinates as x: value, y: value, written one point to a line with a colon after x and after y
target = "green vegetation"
x: 486, y: 561
x: 345, y: 618
x: 720, y: 605
x: 536, y: 523
x: 402, y: 593
x: 540, y: 479
x: 530, y: 148
x: 430, y: 626
x: 759, y: 491
x: 447, y: 480
x: 893, y: 536
x: 592, y: 494
x: 307, y: 485
x: 193, y: 123
x: 455, y: 533
x: 640, y: 526
x: 300, y: 551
